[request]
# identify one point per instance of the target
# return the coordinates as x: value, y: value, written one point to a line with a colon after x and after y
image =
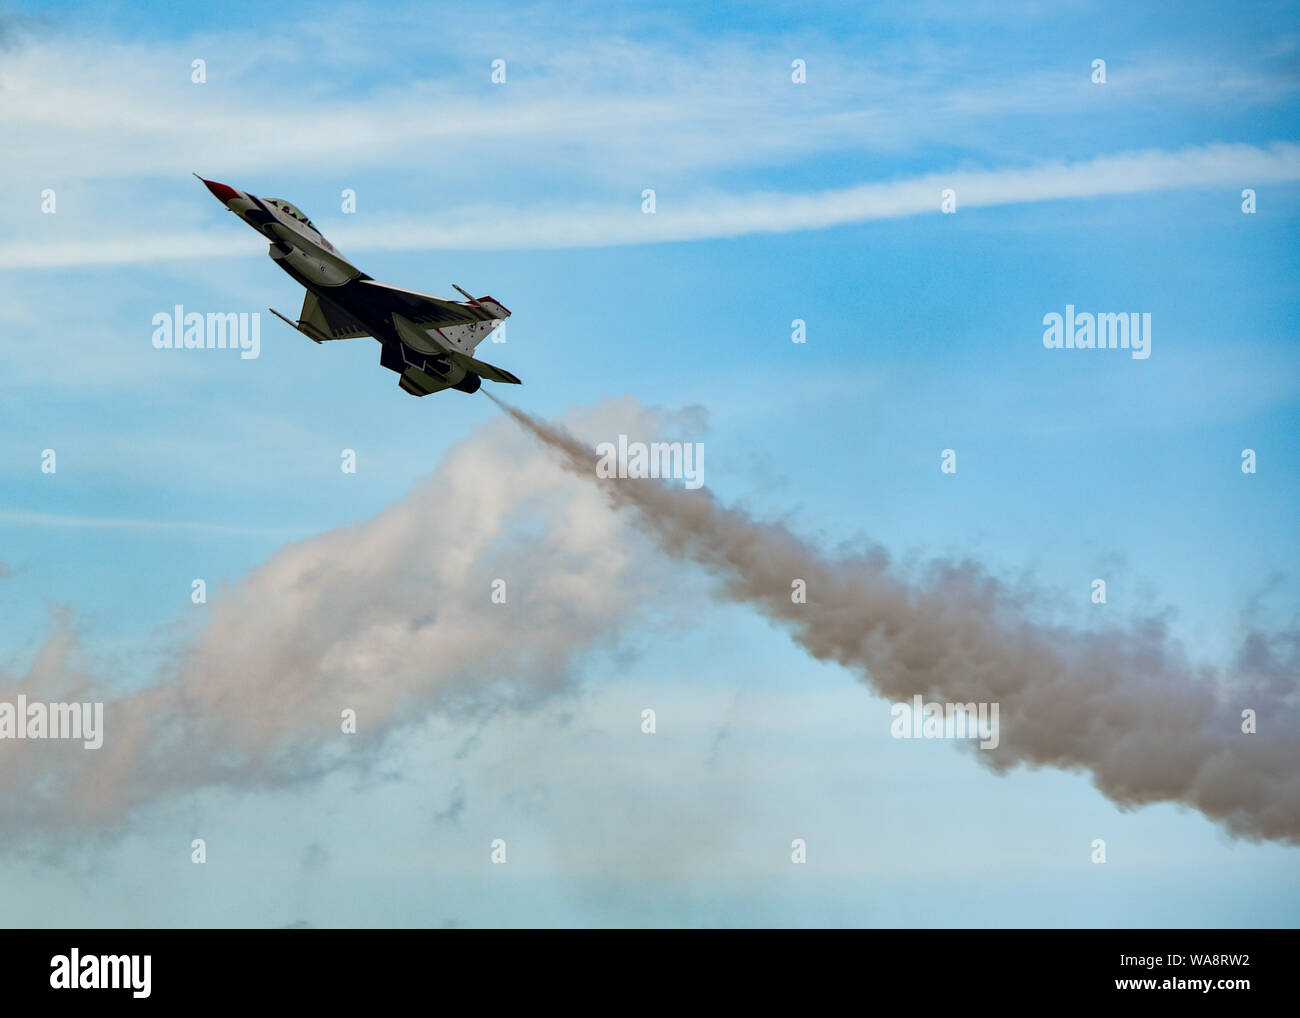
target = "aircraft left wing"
x: 424, y: 309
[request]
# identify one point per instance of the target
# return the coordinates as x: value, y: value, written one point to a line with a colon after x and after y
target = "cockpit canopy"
x: 292, y: 210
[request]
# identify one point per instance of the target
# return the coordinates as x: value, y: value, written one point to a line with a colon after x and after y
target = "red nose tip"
x: 223, y: 192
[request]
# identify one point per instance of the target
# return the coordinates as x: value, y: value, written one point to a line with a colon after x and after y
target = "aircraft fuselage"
x: 429, y: 341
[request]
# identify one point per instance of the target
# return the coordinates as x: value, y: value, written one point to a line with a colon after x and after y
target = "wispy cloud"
x: 678, y: 103
x: 72, y: 521
x: 707, y: 216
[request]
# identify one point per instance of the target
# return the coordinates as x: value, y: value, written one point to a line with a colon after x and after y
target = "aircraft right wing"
x: 327, y: 320
x: 322, y: 320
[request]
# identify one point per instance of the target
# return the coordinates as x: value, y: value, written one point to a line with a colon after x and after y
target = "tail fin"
x: 466, y: 337
x: 456, y: 343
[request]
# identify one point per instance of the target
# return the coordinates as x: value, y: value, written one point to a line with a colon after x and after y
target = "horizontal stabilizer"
x: 434, y: 339
x: 485, y: 370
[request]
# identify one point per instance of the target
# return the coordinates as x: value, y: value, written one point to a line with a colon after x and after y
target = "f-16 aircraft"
x: 428, y: 341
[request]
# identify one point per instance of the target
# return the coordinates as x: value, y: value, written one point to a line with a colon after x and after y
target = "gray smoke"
x: 1123, y: 703
x: 392, y: 617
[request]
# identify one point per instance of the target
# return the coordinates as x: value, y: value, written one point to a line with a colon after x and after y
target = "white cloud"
x: 702, y: 217
x: 75, y: 522
x: 596, y: 106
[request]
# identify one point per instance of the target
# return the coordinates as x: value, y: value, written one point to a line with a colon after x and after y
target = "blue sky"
x: 774, y: 201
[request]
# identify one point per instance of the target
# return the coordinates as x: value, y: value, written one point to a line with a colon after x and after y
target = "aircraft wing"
x: 327, y: 320
x: 424, y: 309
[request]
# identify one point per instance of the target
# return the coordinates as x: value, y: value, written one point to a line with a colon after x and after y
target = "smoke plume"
x: 1123, y: 704
x: 394, y: 618
x: 482, y: 589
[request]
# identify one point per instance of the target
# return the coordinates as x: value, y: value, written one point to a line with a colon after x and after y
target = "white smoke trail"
x: 392, y: 618
x: 1123, y: 704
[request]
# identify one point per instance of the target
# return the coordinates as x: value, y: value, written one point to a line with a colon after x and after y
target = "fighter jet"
x: 428, y: 341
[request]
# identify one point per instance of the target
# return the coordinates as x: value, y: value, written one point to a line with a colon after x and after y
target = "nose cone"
x: 223, y: 192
